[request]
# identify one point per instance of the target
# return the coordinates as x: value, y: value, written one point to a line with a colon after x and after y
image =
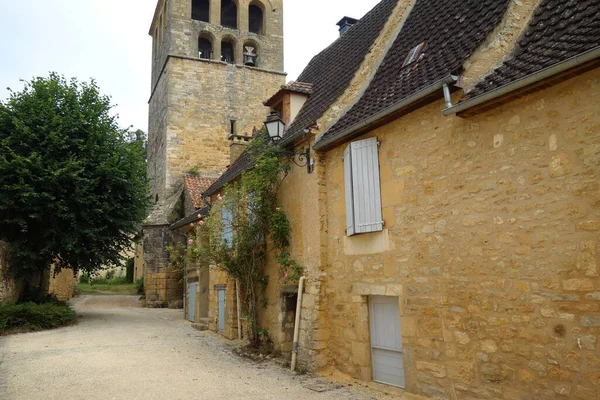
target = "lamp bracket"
x: 301, y: 159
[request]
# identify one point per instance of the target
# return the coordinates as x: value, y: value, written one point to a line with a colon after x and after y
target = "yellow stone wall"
x: 163, y: 289
x: 203, y: 97
x: 492, y: 227
x: 299, y: 195
x: 219, y: 278
x: 62, y: 284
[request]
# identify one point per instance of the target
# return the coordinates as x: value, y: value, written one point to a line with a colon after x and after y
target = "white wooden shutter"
x: 366, y: 186
x: 349, y: 191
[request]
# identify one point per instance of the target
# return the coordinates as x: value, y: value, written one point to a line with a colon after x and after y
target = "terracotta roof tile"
x: 451, y: 31
x: 558, y: 30
x: 292, y: 86
x: 196, y: 185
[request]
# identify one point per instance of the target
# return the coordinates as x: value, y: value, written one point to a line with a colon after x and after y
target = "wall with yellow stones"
x: 492, y: 228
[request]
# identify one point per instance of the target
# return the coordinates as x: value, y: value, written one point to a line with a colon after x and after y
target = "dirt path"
x: 120, y: 351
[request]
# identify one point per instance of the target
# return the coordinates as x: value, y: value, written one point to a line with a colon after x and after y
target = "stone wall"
x: 162, y: 284
x: 218, y: 279
x: 492, y: 227
x: 62, y: 284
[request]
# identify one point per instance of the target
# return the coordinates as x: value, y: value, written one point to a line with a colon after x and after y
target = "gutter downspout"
x: 297, y: 324
x: 239, y: 319
x: 384, y: 113
x: 525, y: 81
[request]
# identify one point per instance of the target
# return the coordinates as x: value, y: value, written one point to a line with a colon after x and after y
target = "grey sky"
x: 108, y: 40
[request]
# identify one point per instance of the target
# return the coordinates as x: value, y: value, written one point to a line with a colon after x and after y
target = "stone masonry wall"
x: 203, y: 98
x: 62, y: 284
x: 492, y: 228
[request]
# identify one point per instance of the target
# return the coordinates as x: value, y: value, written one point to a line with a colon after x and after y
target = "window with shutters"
x: 227, y: 220
x: 362, y: 187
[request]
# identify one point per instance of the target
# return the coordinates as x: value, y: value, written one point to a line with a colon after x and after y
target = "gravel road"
x: 121, y: 351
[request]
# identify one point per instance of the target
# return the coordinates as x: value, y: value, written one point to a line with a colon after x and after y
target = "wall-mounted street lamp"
x: 276, y: 129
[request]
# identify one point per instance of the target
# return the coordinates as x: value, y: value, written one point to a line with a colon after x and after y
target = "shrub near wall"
x: 25, y: 317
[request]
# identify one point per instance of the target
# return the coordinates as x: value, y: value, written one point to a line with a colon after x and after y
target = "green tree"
x: 72, y: 183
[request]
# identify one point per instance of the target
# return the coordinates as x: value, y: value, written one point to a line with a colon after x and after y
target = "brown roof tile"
x: 451, y: 31
x: 196, y: 185
x: 292, y: 86
x: 558, y: 30
x: 331, y: 71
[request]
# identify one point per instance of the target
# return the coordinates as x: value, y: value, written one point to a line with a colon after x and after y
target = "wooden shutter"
x: 366, y: 186
x: 349, y: 191
x: 227, y: 216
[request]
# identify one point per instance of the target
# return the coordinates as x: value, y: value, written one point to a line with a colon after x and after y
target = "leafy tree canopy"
x: 72, y: 183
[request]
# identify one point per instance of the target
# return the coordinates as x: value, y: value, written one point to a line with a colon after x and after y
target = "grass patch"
x: 107, y: 289
x: 28, y: 317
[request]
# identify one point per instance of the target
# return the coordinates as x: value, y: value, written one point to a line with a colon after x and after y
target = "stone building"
x: 213, y: 63
x: 449, y: 232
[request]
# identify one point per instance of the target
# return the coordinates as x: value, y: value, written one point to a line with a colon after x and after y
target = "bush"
x: 119, y: 280
x: 34, y: 317
x: 139, y: 284
x: 110, y: 275
x: 84, y: 278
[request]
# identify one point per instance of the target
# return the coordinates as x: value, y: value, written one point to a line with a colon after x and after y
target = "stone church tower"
x: 214, y: 62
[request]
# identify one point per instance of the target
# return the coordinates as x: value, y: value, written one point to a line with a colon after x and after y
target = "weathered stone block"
x: 437, y: 370
x: 578, y: 285
x: 590, y: 320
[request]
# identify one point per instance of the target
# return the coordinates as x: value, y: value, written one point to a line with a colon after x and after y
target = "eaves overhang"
x: 409, y: 103
x: 546, y: 73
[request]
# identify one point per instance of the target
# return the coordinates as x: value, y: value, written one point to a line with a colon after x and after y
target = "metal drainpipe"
x: 447, y: 95
x: 297, y: 324
x: 239, y: 308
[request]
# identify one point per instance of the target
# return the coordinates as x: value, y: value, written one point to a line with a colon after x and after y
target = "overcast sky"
x: 108, y: 40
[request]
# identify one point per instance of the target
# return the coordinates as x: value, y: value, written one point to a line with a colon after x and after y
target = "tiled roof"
x: 292, y: 86
x: 559, y: 30
x: 331, y: 71
x: 196, y: 185
x: 194, y: 217
x: 451, y: 31
x: 300, y: 87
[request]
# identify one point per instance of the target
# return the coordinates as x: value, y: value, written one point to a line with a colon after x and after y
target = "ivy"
x: 255, y: 226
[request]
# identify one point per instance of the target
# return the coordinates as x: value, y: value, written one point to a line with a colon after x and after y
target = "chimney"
x: 345, y: 24
x: 237, y: 145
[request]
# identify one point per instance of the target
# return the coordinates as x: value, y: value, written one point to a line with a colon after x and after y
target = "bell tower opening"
x: 250, y: 54
x: 201, y: 10
x: 256, y: 19
x: 205, y: 50
x: 229, y: 14
x: 227, y: 51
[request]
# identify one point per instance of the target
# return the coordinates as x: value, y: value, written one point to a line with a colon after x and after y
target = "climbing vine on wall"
x: 245, y: 225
